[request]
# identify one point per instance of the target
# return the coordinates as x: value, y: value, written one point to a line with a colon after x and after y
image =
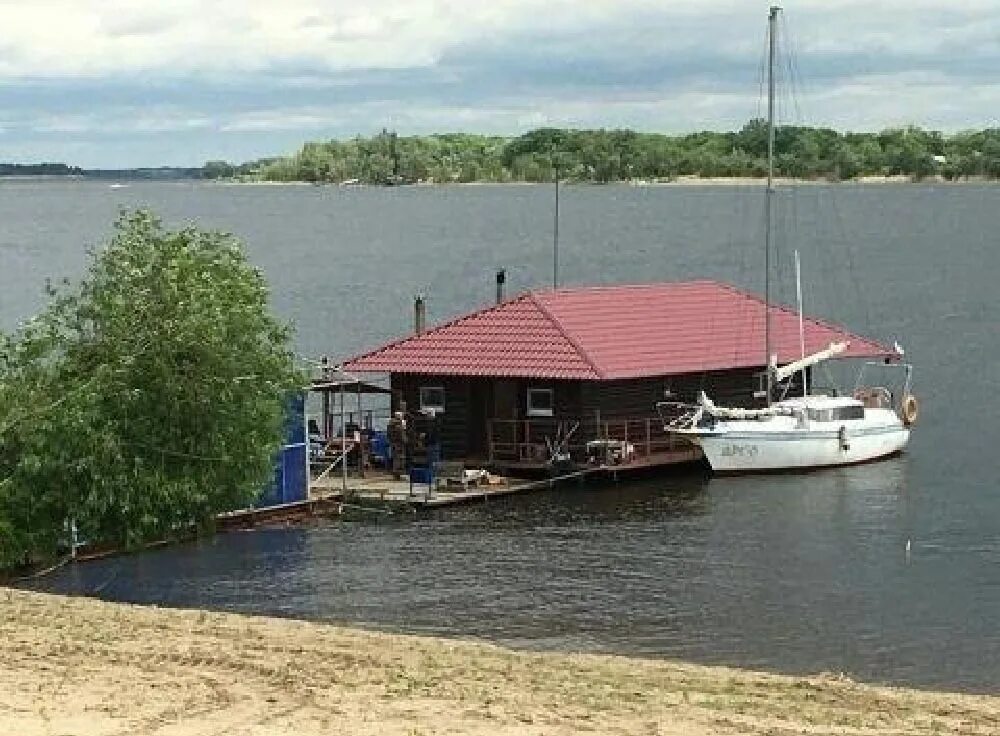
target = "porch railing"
x: 540, y: 441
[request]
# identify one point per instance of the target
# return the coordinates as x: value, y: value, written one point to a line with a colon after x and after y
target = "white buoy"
x: 907, y: 551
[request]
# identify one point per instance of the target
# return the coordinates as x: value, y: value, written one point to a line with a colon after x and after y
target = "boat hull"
x: 749, y: 452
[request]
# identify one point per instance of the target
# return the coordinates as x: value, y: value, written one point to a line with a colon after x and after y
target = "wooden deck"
x: 659, y: 459
x: 383, y: 489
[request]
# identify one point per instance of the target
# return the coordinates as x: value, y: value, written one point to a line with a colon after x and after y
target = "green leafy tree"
x: 218, y: 170
x: 144, y: 400
x: 752, y: 138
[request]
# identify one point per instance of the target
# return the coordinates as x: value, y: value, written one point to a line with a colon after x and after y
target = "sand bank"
x: 79, y: 666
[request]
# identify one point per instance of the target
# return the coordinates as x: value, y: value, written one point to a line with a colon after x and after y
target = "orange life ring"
x: 909, y: 409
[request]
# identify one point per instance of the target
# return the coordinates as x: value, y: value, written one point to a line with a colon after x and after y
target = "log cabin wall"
x: 471, y: 402
x: 453, y: 423
x: 634, y: 398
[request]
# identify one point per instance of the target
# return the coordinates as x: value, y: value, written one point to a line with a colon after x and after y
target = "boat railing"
x: 675, y: 415
x: 880, y: 396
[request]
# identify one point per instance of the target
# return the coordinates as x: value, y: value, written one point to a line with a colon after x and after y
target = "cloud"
x: 87, y: 38
x: 251, y: 78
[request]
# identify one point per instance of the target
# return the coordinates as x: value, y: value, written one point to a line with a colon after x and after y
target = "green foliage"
x: 621, y: 155
x: 143, y: 400
x: 218, y: 170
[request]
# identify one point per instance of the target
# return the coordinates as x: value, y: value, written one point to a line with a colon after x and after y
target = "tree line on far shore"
x: 627, y: 155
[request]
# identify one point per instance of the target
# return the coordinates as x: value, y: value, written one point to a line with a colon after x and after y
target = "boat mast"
x: 771, y: 37
x: 802, y: 332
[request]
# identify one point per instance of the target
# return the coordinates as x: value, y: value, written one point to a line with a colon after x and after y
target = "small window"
x: 541, y: 402
x: 836, y: 414
x: 432, y: 399
x: 821, y: 415
x: 851, y: 412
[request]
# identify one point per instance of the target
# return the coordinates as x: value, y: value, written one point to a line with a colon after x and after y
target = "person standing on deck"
x: 396, y: 432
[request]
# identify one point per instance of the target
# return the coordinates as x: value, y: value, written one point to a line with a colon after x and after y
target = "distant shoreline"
x: 684, y: 181
x: 681, y: 181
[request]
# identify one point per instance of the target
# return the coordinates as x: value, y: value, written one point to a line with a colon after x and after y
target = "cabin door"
x: 505, y: 432
x: 505, y: 399
x: 480, y: 409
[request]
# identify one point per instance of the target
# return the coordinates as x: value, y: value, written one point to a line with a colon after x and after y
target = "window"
x: 821, y: 415
x: 541, y: 402
x: 837, y: 414
x: 850, y: 412
x: 432, y: 399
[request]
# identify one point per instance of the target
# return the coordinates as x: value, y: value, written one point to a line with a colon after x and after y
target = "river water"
x: 789, y: 573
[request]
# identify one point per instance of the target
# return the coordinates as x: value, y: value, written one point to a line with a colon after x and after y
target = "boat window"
x: 821, y: 415
x: 432, y: 398
x: 541, y: 402
x: 837, y: 414
x: 850, y: 412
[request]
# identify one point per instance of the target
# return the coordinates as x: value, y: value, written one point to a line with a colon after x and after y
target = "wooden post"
x: 489, y: 440
x: 343, y: 443
x: 361, y: 443
x: 305, y: 430
x: 325, y: 422
x: 597, y: 424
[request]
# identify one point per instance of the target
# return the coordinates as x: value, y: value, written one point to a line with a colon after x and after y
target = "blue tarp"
x: 290, y: 483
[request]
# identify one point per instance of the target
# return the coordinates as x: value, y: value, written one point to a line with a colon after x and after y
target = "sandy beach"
x: 79, y: 666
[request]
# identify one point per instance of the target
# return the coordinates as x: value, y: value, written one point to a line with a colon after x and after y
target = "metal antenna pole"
x: 771, y: 37
x: 555, y: 236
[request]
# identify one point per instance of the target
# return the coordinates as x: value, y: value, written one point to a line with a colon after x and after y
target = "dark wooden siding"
x: 638, y: 397
x: 459, y: 436
x: 453, y: 422
x: 463, y: 426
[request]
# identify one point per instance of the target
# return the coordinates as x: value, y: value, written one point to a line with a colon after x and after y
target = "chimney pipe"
x: 501, y: 280
x: 419, y: 314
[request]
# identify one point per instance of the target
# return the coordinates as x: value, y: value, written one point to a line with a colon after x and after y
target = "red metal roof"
x: 611, y: 332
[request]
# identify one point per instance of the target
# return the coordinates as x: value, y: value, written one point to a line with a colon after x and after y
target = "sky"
x: 107, y: 83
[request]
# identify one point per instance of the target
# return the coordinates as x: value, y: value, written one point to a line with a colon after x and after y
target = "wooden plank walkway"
x: 327, y: 497
x: 662, y: 459
x: 284, y: 513
x: 384, y: 489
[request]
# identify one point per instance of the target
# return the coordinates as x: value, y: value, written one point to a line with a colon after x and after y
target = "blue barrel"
x: 379, y: 444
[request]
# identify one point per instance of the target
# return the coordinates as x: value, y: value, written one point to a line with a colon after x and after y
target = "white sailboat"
x: 804, y: 432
